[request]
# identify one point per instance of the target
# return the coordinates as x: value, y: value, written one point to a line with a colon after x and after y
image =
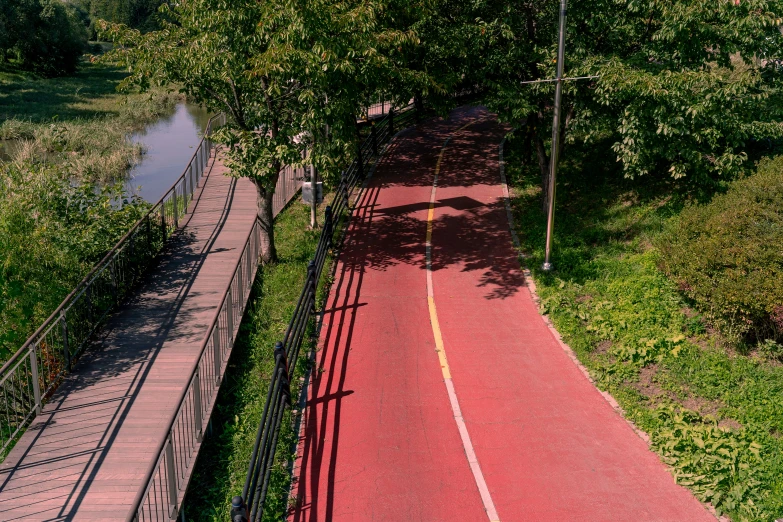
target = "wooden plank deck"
x: 85, y: 457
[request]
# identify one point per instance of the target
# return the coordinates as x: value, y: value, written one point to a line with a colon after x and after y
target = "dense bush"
x: 52, y: 231
x: 47, y: 36
x: 728, y: 255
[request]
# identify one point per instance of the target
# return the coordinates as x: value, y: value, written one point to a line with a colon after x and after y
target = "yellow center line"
x: 470, y: 453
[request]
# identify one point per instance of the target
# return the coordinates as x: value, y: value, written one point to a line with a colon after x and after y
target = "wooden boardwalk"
x: 86, y: 455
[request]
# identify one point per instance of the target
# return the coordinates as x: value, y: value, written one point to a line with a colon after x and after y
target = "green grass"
x: 223, y: 459
x: 79, y: 122
x: 714, y: 415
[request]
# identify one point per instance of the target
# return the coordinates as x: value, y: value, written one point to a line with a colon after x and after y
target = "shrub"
x: 727, y: 255
x: 52, y: 231
x: 47, y: 36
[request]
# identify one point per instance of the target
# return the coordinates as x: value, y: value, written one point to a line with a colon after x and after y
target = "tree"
x: 686, y: 87
x: 45, y: 35
x: 284, y: 72
x: 137, y: 14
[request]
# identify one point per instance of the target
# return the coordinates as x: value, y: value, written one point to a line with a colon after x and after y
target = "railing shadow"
x: 465, y: 235
x: 106, y: 384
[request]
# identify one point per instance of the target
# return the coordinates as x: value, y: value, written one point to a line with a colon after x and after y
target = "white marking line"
x: 467, y: 445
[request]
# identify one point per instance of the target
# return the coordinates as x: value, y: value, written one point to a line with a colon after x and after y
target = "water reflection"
x: 169, y: 145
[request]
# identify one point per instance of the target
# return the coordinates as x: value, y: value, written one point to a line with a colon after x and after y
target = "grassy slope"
x: 78, y: 122
x: 713, y: 415
x: 222, y: 465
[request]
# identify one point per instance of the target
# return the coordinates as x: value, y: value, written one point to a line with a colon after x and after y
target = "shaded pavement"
x: 380, y: 437
x: 86, y: 455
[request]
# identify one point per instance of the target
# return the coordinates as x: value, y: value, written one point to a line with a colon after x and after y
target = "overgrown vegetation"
x: 223, y: 460
x: 726, y: 256
x: 714, y: 415
x: 59, y: 207
x: 51, y: 234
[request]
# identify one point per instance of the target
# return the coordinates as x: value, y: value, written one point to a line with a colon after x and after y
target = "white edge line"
x: 467, y: 444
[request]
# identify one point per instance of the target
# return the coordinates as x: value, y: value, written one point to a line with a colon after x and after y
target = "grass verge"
x: 223, y: 459
x: 714, y: 416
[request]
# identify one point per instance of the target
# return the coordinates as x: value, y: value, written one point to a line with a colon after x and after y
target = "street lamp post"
x: 554, y: 156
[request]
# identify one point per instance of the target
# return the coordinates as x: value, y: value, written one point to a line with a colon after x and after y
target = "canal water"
x: 169, y: 144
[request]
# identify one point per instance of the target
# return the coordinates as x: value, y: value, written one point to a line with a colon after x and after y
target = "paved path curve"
x: 461, y: 406
x: 85, y: 457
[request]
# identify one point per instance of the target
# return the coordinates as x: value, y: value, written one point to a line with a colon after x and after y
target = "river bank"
x: 80, y: 122
x: 60, y: 185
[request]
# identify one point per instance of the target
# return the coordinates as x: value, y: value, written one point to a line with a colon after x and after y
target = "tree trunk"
x: 527, y: 144
x: 267, y: 222
x: 314, y: 202
x: 418, y: 103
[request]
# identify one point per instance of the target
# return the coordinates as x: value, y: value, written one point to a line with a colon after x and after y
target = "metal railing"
x: 250, y: 506
x: 32, y: 374
x: 288, y: 184
x: 382, y: 108
x: 168, y: 476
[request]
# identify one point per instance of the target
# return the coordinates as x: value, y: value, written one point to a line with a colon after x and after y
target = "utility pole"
x: 554, y: 156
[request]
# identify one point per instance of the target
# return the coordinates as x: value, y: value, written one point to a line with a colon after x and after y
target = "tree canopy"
x: 684, y: 89
x: 290, y: 75
x: 46, y: 36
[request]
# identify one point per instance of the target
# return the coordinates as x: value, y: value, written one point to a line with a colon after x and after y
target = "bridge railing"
x: 382, y: 108
x: 168, y: 476
x: 32, y: 374
x: 250, y: 506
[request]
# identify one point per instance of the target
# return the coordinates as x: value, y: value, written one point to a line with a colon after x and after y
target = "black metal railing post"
x: 328, y: 225
x: 391, y: 122
x: 311, y: 280
x: 344, y: 187
x: 282, y: 360
x: 238, y: 510
x: 359, y: 159
x: 374, y: 135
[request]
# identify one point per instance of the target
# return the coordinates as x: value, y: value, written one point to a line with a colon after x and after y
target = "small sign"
x: 307, y: 192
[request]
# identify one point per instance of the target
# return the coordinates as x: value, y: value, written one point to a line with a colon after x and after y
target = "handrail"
x: 166, y: 440
x: 250, y: 505
x: 23, y: 384
x: 230, y: 311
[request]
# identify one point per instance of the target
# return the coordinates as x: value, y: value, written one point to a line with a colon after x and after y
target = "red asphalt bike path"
x: 380, y: 440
